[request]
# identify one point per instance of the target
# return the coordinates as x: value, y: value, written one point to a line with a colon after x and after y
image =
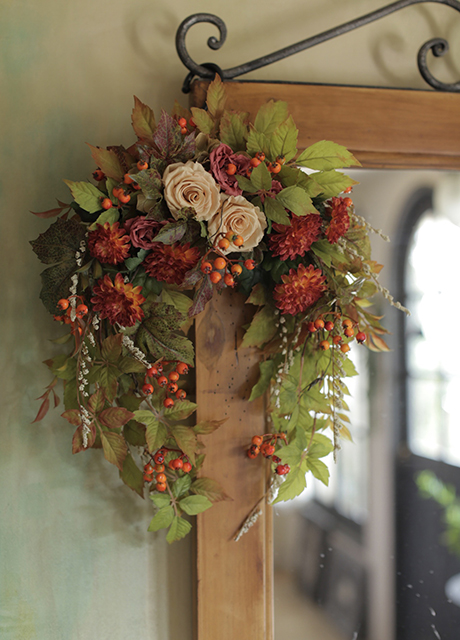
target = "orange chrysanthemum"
x: 108, y: 243
x: 118, y: 301
x: 170, y: 262
x: 295, y: 240
x: 340, y: 219
x: 300, y: 289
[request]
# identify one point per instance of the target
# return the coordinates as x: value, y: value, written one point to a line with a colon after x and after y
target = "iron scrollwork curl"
x: 437, y: 46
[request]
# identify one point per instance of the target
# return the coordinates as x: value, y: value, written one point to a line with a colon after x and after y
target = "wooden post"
x: 234, y: 579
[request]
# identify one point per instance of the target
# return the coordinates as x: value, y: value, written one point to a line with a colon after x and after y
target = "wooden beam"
x: 384, y: 128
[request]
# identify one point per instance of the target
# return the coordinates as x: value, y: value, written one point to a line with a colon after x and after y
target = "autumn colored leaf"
x: 115, y: 449
x: 115, y: 417
x: 143, y: 121
x: 209, y: 488
x: 108, y: 162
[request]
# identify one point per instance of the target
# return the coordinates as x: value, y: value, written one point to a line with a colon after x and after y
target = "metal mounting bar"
x: 438, y: 46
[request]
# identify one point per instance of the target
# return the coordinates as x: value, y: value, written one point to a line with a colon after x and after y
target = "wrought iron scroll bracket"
x: 437, y: 46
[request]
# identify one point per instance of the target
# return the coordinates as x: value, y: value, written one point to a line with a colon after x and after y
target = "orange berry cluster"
x: 348, y: 327
x: 231, y: 268
x: 266, y: 445
x: 182, y: 122
x: 170, y: 383
x: 179, y: 463
x: 80, y: 312
x: 273, y: 167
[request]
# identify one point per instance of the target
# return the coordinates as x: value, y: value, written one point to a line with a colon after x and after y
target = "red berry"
x: 124, y: 198
x: 182, y: 122
x: 255, y: 162
x: 141, y: 165
x: 282, y: 469
x: 215, y: 277
x: 181, y: 394
x: 182, y: 368
x: 187, y: 467
x: 228, y: 279
x: 178, y: 464
x: 329, y: 325
x: 172, y: 387
x: 311, y: 327
x: 162, y: 381
x: 348, y: 202
x: 147, y: 389
x: 361, y: 337
x: 81, y: 310
x: 168, y: 403
x: 257, y: 440
x: 267, y: 450
x: 159, y: 468
x: 275, y: 167
x: 117, y: 191
x: 337, y: 339
x: 63, y: 304
x: 160, y: 487
x: 147, y: 477
x: 98, y: 175
x: 148, y: 468
x: 324, y: 345
x: 152, y: 372
x: 106, y: 203
x: 184, y: 131
x: 231, y: 169
x: 253, y: 451
x: 348, y: 190
x: 249, y: 264
x: 349, y: 332
x: 192, y: 122
x: 127, y: 179
x: 161, y: 478
x: 206, y: 267
x: 347, y: 323
x: 173, y: 376
x: 159, y: 457
x: 171, y: 464
x: 276, y: 460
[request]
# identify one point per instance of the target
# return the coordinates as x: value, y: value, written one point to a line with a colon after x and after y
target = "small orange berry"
x: 215, y: 277
x: 329, y: 325
x: 160, y: 487
x: 361, y: 337
x: 260, y: 155
x: 253, y: 451
x: 344, y: 348
x: 147, y: 477
x: 181, y: 394
x: 168, y: 403
x: 98, y: 175
x: 236, y: 269
x: 311, y: 327
x: 231, y: 169
x: 127, y: 179
x: 81, y: 310
x: 192, y: 122
x: 324, y: 345
x: 117, y: 191
x: 281, y: 159
x: 257, y: 440
x: 275, y: 167
x: 182, y: 122
x: 178, y: 464
x: 224, y: 244
x: 184, y: 131
x: 348, y: 190
x: 124, y: 198
x: 349, y: 332
x: 206, y: 267
x: 250, y: 265
x: 187, y: 467
x: 173, y: 376
x: 254, y: 162
x: 106, y: 203
x: 162, y: 381
x: 152, y: 372
x: 347, y: 323
x: 182, y: 368
x: 63, y: 304
x: 219, y: 263
x: 319, y: 323
x: 147, y: 389
x: 141, y: 165
x: 161, y: 478
x: 348, y: 202
x: 148, y: 468
x: 159, y: 468
x: 228, y: 279
x: 238, y: 241
x: 337, y: 339
x: 172, y: 387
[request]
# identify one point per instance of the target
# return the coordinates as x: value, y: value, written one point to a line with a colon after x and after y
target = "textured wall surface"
x: 76, y: 562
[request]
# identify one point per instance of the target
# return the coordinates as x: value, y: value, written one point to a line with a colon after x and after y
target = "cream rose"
x: 241, y: 217
x: 190, y: 185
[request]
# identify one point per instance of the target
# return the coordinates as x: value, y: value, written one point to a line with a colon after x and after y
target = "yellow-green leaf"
x: 325, y: 155
x: 143, y: 120
x: 179, y: 529
x: 86, y: 195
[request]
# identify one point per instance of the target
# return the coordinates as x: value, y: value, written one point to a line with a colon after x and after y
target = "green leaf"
x: 73, y: 416
x: 132, y: 476
x: 181, y: 486
x: 296, y: 200
x: 179, y: 529
x: 193, y: 505
x: 283, y: 142
x: 246, y: 185
x: 292, y: 454
x: 111, y: 348
x: 332, y: 182
x: 180, y: 410
x: 261, y: 178
x: 143, y: 120
x: 349, y: 368
x: 203, y: 120
x: 59, y: 242
x: 276, y: 212
x: 234, y: 131
x: 210, y: 489
x: 86, y: 195
x: 208, y: 426
x: 186, y: 441
x: 115, y: 449
x: 110, y: 215
x: 132, y: 263
x: 293, y: 486
x: 262, y: 328
x: 162, y: 519
x: 257, y: 142
x: 107, y: 160
x: 160, y: 500
x: 270, y: 116
x: 216, y: 97
x: 131, y: 365
x: 327, y: 252
x: 115, y: 417
x: 321, y: 446
x: 70, y: 394
x: 325, y: 155
x: 171, y: 232
x: 134, y: 433
x: 108, y: 379
x: 176, y: 299
x: 267, y: 369
x: 155, y: 433
x: 159, y: 334
x: 319, y: 470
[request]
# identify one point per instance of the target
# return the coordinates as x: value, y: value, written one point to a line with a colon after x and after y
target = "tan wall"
x: 75, y: 560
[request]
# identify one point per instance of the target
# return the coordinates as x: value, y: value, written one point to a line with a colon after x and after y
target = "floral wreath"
x: 204, y: 201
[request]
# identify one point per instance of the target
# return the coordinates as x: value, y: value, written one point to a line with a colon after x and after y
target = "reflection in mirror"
x: 376, y: 555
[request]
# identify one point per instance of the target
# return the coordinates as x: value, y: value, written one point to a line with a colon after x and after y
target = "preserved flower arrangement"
x: 201, y: 202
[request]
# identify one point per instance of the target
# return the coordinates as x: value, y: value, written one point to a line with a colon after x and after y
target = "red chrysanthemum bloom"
x: 300, y: 289
x: 340, y: 219
x: 108, y: 243
x: 118, y: 301
x: 170, y: 262
x: 296, y: 240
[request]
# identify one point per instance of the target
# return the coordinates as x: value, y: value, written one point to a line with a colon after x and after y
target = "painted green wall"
x: 75, y: 560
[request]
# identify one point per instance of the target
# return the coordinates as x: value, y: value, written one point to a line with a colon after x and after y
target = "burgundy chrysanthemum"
x: 108, y: 243
x: 296, y: 240
x: 340, y: 219
x: 300, y: 289
x: 118, y: 301
x: 169, y: 263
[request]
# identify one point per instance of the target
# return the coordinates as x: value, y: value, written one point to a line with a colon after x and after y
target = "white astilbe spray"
x: 137, y: 353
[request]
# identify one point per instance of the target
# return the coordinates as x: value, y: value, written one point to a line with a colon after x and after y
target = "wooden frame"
x: 384, y: 128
